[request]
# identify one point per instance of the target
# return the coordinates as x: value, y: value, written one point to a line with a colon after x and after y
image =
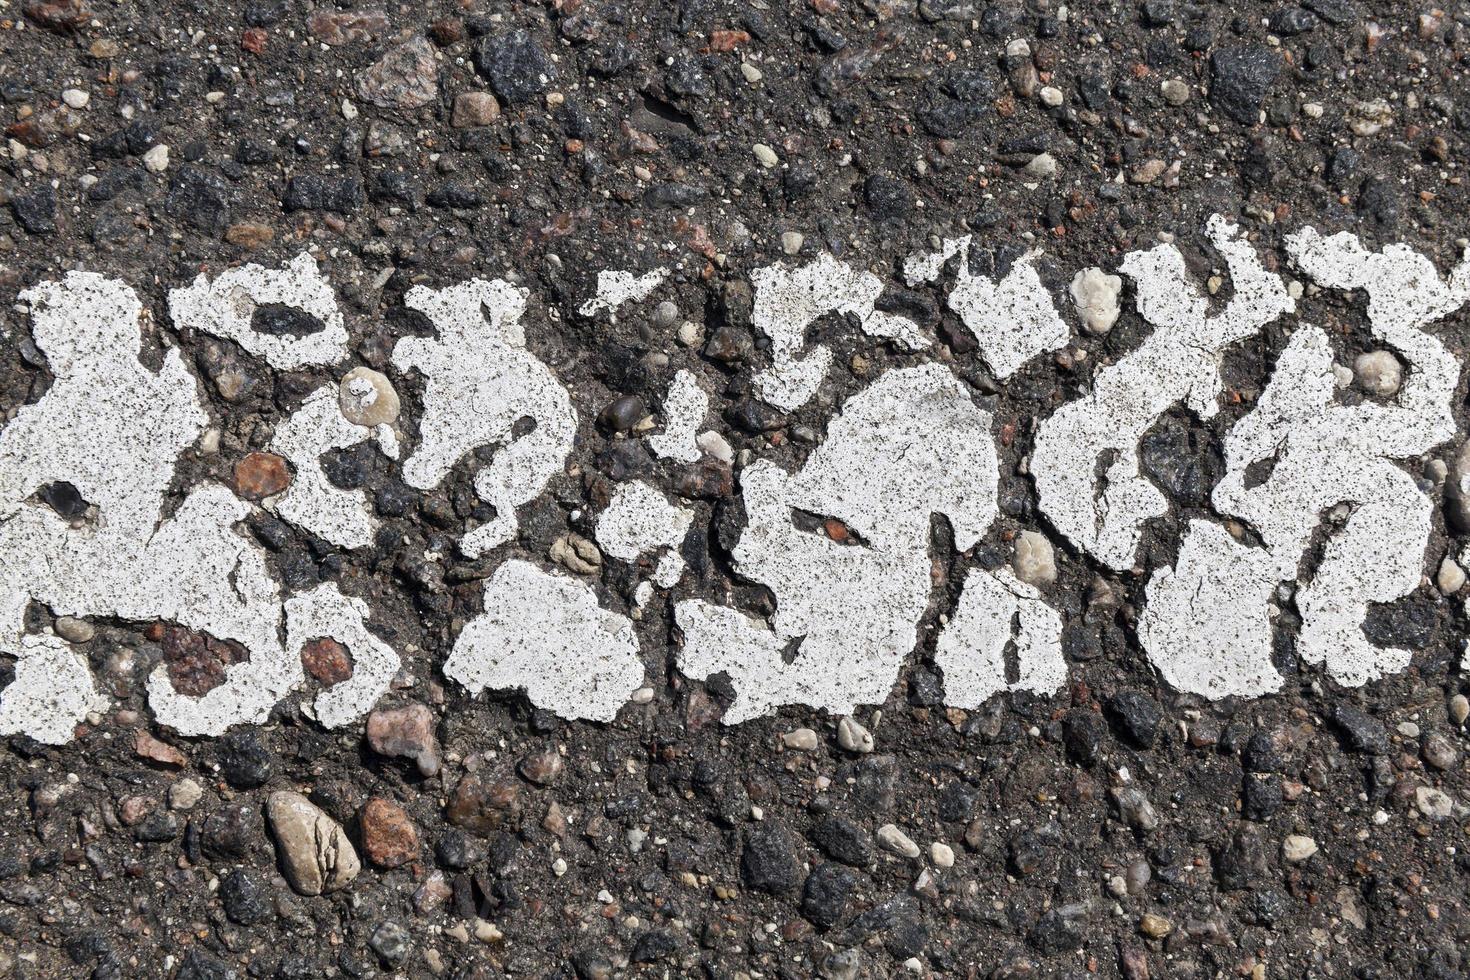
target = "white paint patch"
x: 326, y: 612
x: 910, y: 446
x: 617, y: 287
x: 995, y: 610
x: 638, y: 521
x: 113, y: 429
x: 224, y: 308
x: 1208, y: 622
x: 546, y: 634
x: 481, y: 382
x: 342, y: 517
x: 788, y: 301
x: 1085, y: 461
x: 1012, y: 321
x: 685, y: 407
x: 52, y: 693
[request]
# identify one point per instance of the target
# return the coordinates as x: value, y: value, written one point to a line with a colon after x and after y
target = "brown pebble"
x: 473, y: 109
x: 261, y: 475
x: 327, y: 660
x: 249, y: 234
x: 388, y: 835
x: 481, y: 804
x: 542, y: 768
x: 407, y: 733
x: 157, y: 750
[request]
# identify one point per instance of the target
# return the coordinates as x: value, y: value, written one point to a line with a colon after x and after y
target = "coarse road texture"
x: 1106, y: 825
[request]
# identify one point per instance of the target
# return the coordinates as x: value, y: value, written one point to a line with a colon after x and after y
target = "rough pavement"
x: 1049, y: 578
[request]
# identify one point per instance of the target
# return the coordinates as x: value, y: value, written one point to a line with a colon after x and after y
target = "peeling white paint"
x: 113, y: 429
x: 616, y: 287
x: 326, y: 612
x: 1085, y: 461
x: 311, y: 502
x: 995, y: 610
x: 225, y: 306
x: 1012, y: 321
x: 481, y: 382
x: 910, y: 446
x: 640, y: 520
x: 788, y: 301
x: 52, y: 693
x: 685, y: 407
x: 545, y: 633
x: 1207, y: 625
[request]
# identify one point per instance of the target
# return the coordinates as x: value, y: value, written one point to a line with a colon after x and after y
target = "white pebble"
x: 802, y: 740
x: 76, y: 98
x: 897, y: 841
x: 156, y: 159
x: 1298, y: 847
x: 853, y: 737
x: 942, y: 854
x: 1379, y: 373
x: 791, y: 242
x: 1051, y: 96
x: 765, y: 155
x: 1035, y: 562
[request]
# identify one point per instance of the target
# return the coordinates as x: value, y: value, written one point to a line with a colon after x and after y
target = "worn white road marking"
x: 342, y: 517
x: 685, y: 407
x: 909, y: 446
x: 481, y: 382
x: 616, y: 287
x: 1207, y: 624
x: 546, y: 634
x: 640, y: 521
x: 1085, y: 461
x: 1012, y: 320
x: 843, y: 543
x: 995, y: 610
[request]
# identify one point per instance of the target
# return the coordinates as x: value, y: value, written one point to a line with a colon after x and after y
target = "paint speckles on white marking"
x: 113, y: 429
x: 226, y: 306
x: 342, y: 517
x: 639, y: 521
x: 51, y: 693
x: 685, y: 407
x: 481, y: 382
x: 995, y: 610
x: 545, y: 633
x: 788, y: 301
x: 1012, y: 321
x: 1179, y: 361
x: 1207, y: 625
x: 911, y: 445
x: 326, y: 612
x: 617, y: 287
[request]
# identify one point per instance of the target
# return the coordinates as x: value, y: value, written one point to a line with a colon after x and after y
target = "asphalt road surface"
x: 828, y: 488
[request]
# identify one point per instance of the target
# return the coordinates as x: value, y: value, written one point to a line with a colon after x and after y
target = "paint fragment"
x: 996, y: 610
x: 481, y: 381
x: 639, y: 521
x: 685, y: 407
x: 227, y: 306
x: 910, y: 446
x: 311, y: 502
x: 616, y: 287
x: 1012, y: 320
x: 788, y: 301
x: 326, y: 612
x: 546, y: 634
x: 1085, y: 461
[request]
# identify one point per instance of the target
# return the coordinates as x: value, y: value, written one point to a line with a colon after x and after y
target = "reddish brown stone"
x: 327, y: 660
x: 388, y: 835
x: 481, y: 804
x: 261, y: 475
x: 254, y: 40
x: 336, y: 27
x: 61, y: 16
x: 723, y: 41
x: 157, y: 750
x: 542, y: 767
x: 132, y: 809
x: 446, y: 31
x: 196, y: 662
x: 407, y: 733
